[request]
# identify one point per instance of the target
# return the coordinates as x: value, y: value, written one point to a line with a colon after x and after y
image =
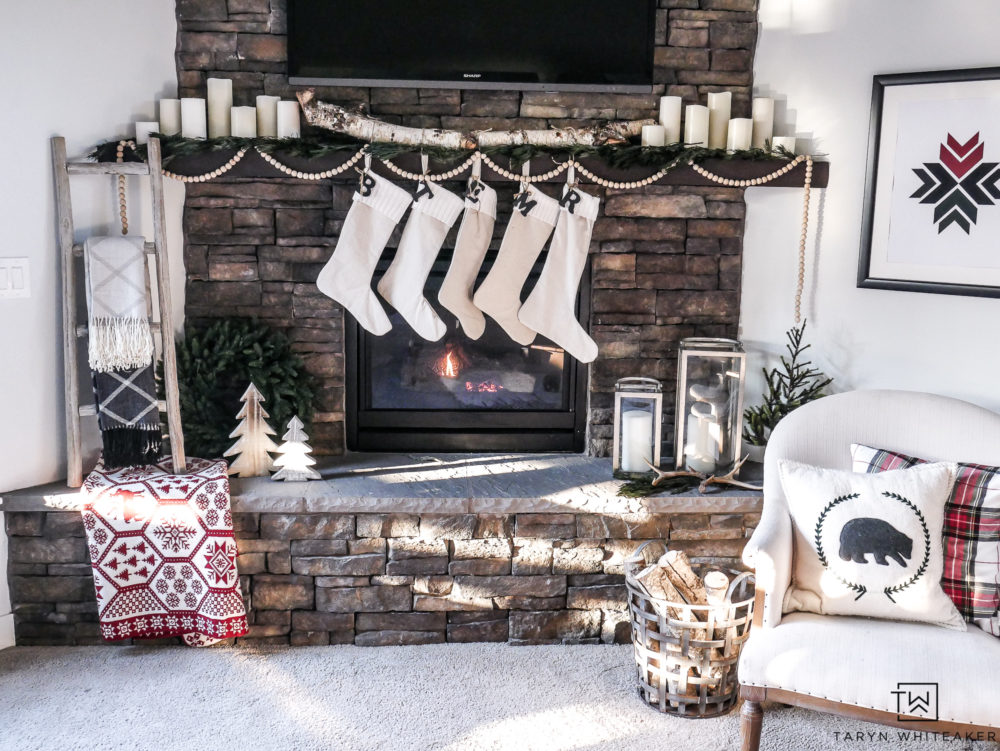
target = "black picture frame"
x: 866, y: 277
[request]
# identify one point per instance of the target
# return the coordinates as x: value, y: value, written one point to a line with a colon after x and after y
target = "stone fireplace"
x: 665, y: 260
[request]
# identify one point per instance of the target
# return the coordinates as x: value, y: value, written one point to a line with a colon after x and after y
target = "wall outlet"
x: 15, y: 281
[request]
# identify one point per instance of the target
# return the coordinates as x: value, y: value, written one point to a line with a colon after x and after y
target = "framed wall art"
x: 932, y: 199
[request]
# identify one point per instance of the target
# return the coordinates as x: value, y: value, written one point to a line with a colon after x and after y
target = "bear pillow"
x: 869, y: 545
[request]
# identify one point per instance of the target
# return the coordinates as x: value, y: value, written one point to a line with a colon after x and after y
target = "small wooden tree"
x: 295, y: 464
x: 253, y: 444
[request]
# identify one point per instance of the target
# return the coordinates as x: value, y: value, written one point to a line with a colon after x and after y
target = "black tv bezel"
x: 503, y: 85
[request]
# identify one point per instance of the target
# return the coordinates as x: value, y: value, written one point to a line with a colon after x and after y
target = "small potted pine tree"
x: 789, y: 386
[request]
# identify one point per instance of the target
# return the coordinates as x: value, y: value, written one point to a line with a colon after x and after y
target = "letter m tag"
x: 523, y: 205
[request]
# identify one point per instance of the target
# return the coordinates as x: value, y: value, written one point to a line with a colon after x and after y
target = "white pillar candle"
x: 763, y: 121
x: 696, y: 125
x: 170, y: 117
x: 636, y: 440
x: 740, y: 129
x: 143, y: 129
x: 244, y: 122
x: 701, y: 450
x: 194, y: 121
x: 719, y: 104
x: 220, y: 102
x: 288, y: 120
x: 267, y: 116
x: 654, y: 135
x: 785, y: 142
x: 670, y: 117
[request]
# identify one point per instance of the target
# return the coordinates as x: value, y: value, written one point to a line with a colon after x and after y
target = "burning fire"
x: 447, y: 366
x: 483, y: 387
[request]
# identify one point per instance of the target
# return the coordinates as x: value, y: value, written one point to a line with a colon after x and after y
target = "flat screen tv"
x: 545, y: 45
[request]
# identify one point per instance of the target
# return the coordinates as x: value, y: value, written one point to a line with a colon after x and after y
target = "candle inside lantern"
x: 220, y: 102
x: 696, y: 125
x: 143, y: 129
x: 785, y: 142
x: 670, y: 117
x: 701, y: 452
x: 763, y: 121
x: 194, y: 121
x: 719, y: 104
x: 267, y: 116
x: 636, y: 440
x: 244, y: 122
x: 739, y: 137
x: 654, y: 135
x: 170, y: 117
x: 288, y: 120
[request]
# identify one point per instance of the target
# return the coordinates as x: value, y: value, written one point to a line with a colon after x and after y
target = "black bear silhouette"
x: 875, y: 536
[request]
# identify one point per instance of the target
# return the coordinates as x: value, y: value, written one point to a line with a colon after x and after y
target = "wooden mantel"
x: 253, y: 166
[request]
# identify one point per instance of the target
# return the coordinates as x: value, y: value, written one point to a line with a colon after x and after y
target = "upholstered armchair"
x: 853, y: 666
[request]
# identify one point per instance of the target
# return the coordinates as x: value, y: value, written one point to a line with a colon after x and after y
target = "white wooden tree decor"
x: 254, y: 440
x: 295, y: 464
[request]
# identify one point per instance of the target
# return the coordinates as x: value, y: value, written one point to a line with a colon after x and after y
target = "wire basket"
x: 686, y: 655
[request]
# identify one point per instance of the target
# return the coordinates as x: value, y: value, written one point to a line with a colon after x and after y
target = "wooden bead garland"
x: 122, y: 205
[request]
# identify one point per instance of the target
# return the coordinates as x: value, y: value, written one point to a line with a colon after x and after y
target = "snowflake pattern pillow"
x: 971, y: 534
x: 869, y: 545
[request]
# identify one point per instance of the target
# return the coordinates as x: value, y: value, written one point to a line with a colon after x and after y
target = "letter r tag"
x: 570, y: 200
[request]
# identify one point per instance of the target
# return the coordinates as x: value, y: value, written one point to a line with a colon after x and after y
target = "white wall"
x: 85, y: 71
x: 821, y: 56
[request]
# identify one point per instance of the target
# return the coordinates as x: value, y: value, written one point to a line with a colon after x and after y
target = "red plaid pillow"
x: 971, y: 534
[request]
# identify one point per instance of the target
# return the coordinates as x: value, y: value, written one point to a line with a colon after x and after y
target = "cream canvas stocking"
x: 499, y: 296
x: 474, y: 237
x: 550, y: 308
x: 434, y: 211
x: 377, y: 208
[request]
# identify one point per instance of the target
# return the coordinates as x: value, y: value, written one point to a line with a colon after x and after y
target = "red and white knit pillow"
x: 971, y: 534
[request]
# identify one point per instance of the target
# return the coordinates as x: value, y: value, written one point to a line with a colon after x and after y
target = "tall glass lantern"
x: 638, y: 422
x: 709, y: 416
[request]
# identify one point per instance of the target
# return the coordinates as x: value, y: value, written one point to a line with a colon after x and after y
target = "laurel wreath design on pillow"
x: 861, y: 589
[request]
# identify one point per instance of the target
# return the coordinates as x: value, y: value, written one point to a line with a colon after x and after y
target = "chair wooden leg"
x: 751, y: 719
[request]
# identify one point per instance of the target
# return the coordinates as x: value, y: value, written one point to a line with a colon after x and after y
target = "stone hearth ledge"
x: 441, y: 484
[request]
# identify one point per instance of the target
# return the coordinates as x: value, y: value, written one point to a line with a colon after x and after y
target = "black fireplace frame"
x: 464, y: 430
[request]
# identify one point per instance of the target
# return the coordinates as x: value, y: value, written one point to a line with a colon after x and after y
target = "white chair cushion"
x: 860, y: 661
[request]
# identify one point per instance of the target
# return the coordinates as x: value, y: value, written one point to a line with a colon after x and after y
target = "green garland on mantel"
x: 617, y: 156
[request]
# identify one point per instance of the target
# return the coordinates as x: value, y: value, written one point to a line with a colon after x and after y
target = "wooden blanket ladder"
x: 160, y: 320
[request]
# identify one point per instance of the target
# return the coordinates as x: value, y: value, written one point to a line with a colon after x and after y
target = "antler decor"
x: 727, y: 479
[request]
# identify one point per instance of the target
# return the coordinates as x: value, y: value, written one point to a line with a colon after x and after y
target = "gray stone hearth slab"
x: 440, y: 484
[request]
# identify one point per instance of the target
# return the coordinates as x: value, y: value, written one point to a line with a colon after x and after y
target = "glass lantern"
x: 709, y: 417
x: 638, y: 421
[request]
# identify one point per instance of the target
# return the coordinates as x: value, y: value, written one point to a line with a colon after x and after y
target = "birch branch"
x: 340, y: 120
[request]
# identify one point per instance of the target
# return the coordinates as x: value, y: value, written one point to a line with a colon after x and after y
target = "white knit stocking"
x: 377, y: 208
x: 499, y: 296
x: 474, y: 237
x: 433, y: 213
x: 550, y: 308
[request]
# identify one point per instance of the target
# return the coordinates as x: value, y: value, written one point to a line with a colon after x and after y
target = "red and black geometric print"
x: 163, y: 553
x: 959, y: 183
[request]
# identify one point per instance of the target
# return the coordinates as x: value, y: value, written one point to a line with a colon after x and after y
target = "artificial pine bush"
x: 788, y: 388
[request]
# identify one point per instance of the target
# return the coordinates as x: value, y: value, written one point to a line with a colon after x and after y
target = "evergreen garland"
x: 316, y: 146
x: 788, y: 388
x: 642, y: 487
x: 216, y: 361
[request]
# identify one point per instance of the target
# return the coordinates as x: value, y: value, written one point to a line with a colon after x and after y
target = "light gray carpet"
x: 452, y: 697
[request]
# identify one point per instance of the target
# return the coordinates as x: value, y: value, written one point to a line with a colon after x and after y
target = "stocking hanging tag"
x: 571, y: 197
x: 367, y: 182
x: 523, y: 201
x: 475, y: 186
x: 422, y: 188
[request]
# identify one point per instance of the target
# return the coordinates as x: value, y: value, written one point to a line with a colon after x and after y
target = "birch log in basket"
x: 686, y: 652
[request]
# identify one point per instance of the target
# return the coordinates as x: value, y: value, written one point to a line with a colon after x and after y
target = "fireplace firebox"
x: 404, y: 393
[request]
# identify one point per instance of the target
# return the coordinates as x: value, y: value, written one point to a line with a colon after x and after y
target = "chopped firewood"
x: 677, y: 567
x: 360, y: 126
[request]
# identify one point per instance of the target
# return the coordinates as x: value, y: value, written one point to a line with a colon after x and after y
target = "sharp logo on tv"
x: 472, y: 75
